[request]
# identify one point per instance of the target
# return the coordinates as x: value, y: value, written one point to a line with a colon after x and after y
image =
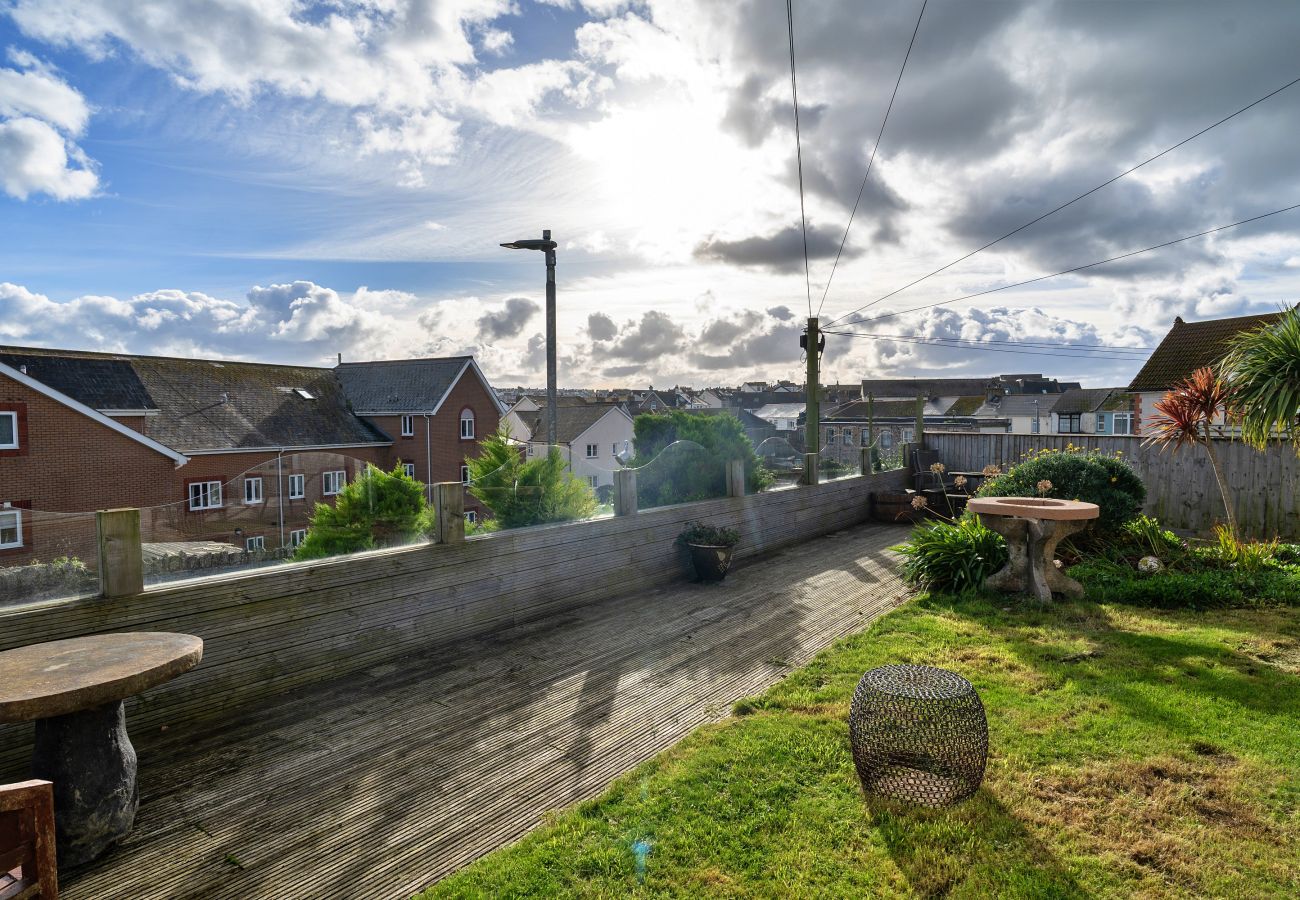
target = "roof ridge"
x: 106, y: 354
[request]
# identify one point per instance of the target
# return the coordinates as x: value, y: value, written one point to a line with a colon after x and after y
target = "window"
x: 907, y: 435
x: 848, y: 437
x: 464, y: 474
x: 1069, y: 423
x: 866, y: 437
x: 8, y: 431
x: 471, y: 516
x: 252, y: 490
x: 886, y: 440
x: 1123, y: 423
x: 466, y: 424
x: 205, y: 494
x: 593, y: 450
x: 255, y: 543
x: 11, y: 528
x: 408, y: 426
x: 297, y: 487
x: 408, y: 469
x: 333, y: 482
x: 613, y: 449
x: 1034, y: 426
x: 530, y: 449
x: 297, y: 536
x: 830, y: 437
x: 591, y: 480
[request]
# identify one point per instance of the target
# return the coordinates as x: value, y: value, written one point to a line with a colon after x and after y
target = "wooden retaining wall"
x: 266, y: 632
x: 1181, y: 489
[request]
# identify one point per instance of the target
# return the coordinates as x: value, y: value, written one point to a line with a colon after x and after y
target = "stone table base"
x: 89, y: 757
x: 1031, y: 568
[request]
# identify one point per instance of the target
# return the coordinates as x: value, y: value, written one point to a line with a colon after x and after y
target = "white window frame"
x: 337, y: 480
x: 253, y: 483
x: 1127, y: 417
x: 256, y: 542
x: 464, y: 475
x: 593, y: 481
x: 12, y: 416
x: 297, y: 487
x: 17, y: 514
x: 471, y: 516
x: 408, y: 426
x: 593, y: 451
x: 530, y: 449
x: 209, y: 489
x: 297, y: 536
x: 830, y: 437
x: 408, y: 469
x: 467, y: 418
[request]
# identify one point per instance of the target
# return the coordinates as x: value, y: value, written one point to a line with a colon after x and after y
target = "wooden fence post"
x: 810, y: 468
x: 449, y: 512
x: 121, y: 565
x: 867, y: 463
x: 919, y: 437
x: 625, y: 492
x: 735, y: 478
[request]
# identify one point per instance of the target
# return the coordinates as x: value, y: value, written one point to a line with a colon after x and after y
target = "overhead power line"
x: 798, y: 152
x: 1091, y: 265
x: 872, y: 161
x: 1047, y: 345
x: 1086, y: 193
x: 1056, y: 354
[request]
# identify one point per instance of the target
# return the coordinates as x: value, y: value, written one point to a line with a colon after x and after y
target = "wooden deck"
x: 378, y: 786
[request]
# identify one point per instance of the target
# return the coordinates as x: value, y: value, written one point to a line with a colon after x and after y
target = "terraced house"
x: 214, y: 450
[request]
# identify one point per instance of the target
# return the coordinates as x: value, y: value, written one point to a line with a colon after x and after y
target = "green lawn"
x: 1133, y: 752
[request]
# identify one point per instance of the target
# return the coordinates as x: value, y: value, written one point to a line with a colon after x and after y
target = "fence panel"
x: 1181, y: 490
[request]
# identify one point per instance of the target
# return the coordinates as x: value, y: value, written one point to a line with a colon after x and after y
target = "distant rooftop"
x: 1191, y: 345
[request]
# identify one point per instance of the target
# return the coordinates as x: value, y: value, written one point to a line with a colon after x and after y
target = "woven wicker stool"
x: 919, y: 734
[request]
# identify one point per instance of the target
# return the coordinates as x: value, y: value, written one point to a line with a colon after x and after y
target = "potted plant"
x: 711, y: 549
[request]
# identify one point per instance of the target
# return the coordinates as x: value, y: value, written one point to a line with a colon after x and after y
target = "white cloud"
x: 34, y: 158
x: 39, y: 94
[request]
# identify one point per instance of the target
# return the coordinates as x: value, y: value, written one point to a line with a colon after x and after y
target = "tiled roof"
x: 209, y: 404
x: 1190, y: 345
x: 399, y: 386
x: 570, y: 421
x: 900, y: 388
x: 857, y: 409
x: 1081, y: 400
x: 1019, y: 405
x: 747, y: 419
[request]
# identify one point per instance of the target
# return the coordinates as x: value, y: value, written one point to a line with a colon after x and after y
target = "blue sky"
x: 288, y: 180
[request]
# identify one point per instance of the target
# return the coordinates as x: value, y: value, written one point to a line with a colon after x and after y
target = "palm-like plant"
x: 1187, y: 415
x: 1263, y: 367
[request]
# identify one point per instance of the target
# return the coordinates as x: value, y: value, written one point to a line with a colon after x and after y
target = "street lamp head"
x: 531, y: 244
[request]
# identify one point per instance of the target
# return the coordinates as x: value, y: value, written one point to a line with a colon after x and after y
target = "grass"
x: 1134, y: 752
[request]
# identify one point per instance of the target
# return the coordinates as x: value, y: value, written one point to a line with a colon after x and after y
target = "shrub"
x: 378, y: 509
x: 531, y: 492
x: 708, y: 535
x: 1248, y: 556
x: 695, y: 470
x: 1197, y: 588
x: 952, y: 557
x: 1093, y: 477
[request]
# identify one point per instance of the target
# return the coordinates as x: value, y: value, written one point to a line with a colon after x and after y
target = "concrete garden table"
x: 74, y: 690
x: 1033, y: 527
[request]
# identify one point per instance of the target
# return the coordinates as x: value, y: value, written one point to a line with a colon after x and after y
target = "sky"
x: 287, y: 181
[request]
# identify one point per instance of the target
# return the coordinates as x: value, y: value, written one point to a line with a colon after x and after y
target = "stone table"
x: 74, y: 690
x: 1033, y: 527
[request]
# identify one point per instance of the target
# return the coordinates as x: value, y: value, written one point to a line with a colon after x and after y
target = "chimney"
x: 340, y: 357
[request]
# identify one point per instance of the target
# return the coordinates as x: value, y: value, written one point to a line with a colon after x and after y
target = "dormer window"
x: 304, y: 393
x: 466, y: 424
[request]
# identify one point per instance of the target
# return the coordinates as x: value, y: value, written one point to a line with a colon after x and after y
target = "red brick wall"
x: 449, y: 450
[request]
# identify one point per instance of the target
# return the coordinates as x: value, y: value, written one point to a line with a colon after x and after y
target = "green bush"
x: 1093, y: 477
x: 378, y: 509
x: 952, y: 557
x: 527, y: 492
x: 697, y: 469
x: 1196, y: 588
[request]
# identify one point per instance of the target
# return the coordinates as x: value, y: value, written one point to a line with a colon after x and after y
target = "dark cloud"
x: 656, y: 335
x: 621, y: 371
x: 781, y: 312
x: 779, y: 252
x: 721, y: 332
x: 508, y: 322
x: 601, y: 327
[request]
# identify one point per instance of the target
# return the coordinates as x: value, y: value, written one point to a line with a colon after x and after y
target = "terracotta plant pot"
x: 711, y: 562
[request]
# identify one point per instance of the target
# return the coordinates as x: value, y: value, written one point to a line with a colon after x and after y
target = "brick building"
x: 212, y: 450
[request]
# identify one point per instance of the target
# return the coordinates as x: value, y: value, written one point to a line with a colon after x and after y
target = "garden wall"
x: 1181, y: 489
x: 272, y: 630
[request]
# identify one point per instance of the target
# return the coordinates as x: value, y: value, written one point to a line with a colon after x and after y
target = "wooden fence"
x: 270, y: 631
x: 1181, y: 489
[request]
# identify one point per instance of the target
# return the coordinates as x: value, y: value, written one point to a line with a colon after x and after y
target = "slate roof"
x: 780, y: 411
x: 207, y: 404
x: 1082, y: 400
x: 882, y: 409
x: 399, y: 386
x: 570, y: 421
x: 1018, y: 405
x: 901, y: 388
x: 1190, y: 345
x: 748, y: 420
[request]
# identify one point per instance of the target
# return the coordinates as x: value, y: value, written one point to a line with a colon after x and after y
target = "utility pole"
x: 551, y: 378
x: 812, y: 342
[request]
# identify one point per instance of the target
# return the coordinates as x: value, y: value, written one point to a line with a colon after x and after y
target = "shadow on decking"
x: 378, y: 784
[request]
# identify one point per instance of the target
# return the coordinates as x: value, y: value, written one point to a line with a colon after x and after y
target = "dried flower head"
x: 1044, y: 486
x: 919, y: 502
x: 938, y: 468
x: 960, y: 481
x: 991, y: 471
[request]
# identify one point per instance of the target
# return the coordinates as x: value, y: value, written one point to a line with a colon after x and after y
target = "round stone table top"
x: 1034, y: 508
x: 60, y: 677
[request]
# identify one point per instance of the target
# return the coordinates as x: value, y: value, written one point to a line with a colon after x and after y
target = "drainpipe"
x: 279, y: 488
x: 428, y: 461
